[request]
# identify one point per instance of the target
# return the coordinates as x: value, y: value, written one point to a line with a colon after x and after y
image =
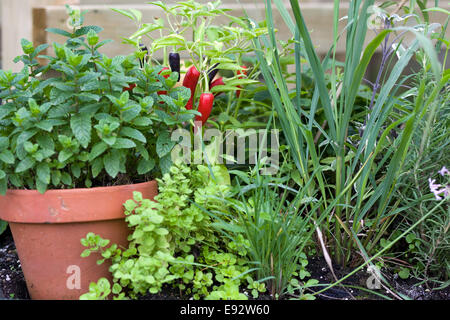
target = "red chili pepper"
x: 190, y: 81
x: 239, y: 72
x: 130, y: 87
x: 204, y: 107
x: 165, y: 76
x: 217, y: 82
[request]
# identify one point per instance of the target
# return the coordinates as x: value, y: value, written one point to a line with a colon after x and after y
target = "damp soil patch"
x: 13, y: 286
x: 356, y: 286
x: 12, y: 282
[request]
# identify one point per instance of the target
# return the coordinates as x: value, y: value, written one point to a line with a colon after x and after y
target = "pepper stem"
x: 206, y: 81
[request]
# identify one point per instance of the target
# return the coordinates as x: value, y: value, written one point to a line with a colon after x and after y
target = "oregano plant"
x: 173, y: 242
x: 83, y: 119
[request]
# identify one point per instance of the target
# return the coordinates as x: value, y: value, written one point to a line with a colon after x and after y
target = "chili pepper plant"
x: 215, y: 56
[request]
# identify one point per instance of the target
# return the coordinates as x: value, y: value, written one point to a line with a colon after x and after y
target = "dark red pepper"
x: 240, y: 73
x: 165, y: 76
x: 190, y: 81
x: 217, y: 82
x: 129, y: 88
x: 204, y: 107
x: 174, y: 62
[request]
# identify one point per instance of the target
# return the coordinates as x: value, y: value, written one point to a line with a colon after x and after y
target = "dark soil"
x: 12, y: 282
x: 349, y: 289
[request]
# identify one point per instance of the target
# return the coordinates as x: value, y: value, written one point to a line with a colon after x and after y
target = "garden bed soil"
x: 13, y: 286
x: 12, y: 282
x: 320, y: 271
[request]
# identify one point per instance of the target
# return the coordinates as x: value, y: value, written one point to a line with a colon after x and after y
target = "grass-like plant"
x: 275, y: 224
x: 365, y: 169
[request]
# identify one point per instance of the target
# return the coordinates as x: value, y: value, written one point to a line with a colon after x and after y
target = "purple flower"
x: 434, y: 188
x: 444, y: 171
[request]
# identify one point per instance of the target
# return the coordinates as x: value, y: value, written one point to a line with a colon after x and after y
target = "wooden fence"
x: 29, y: 19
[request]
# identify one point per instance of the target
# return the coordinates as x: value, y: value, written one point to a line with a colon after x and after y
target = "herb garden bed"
x: 267, y: 172
x: 13, y: 286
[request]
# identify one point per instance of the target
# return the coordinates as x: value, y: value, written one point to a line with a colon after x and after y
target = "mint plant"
x: 173, y: 242
x: 84, y: 119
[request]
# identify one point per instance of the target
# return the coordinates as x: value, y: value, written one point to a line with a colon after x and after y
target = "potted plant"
x: 78, y: 135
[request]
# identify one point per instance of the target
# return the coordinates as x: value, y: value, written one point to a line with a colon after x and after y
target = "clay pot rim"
x: 18, y: 192
x: 71, y: 205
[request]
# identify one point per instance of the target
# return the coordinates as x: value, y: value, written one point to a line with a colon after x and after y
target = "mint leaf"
x: 56, y: 177
x: 131, y: 113
x: 85, y: 29
x: 133, y: 133
x: 112, y: 164
x: 3, y: 188
x: 4, y: 142
x: 163, y: 144
x: 64, y: 155
x: 41, y: 186
x: 25, y: 164
x: 24, y: 136
x: 7, y: 157
x: 142, y: 121
x: 59, y: 31
x: 81, y: 127
x: 142, y: 150
x: 97, y: 150
x: 145, y: 166
x: 109, y: 140
x: 45, y: 142
x: 97, y: 167
x: 66, y: 178
x: 76, y: 170
x: 43, y: 172
x: 122, y: 143
x: 165, y: 163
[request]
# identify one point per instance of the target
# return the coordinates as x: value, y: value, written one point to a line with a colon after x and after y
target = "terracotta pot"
x: 47, y: 229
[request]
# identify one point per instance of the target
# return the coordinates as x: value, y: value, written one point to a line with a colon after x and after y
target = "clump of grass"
x: 364, y: 173
x: 275, y: 224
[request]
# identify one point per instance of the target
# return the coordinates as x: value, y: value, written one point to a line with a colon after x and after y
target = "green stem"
x: 165, y: 57
x: 238, y: 104
x: 339, y: 168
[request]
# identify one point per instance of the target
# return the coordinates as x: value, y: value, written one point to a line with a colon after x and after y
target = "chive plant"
x: 357, y: 195
x: 270, y: 216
